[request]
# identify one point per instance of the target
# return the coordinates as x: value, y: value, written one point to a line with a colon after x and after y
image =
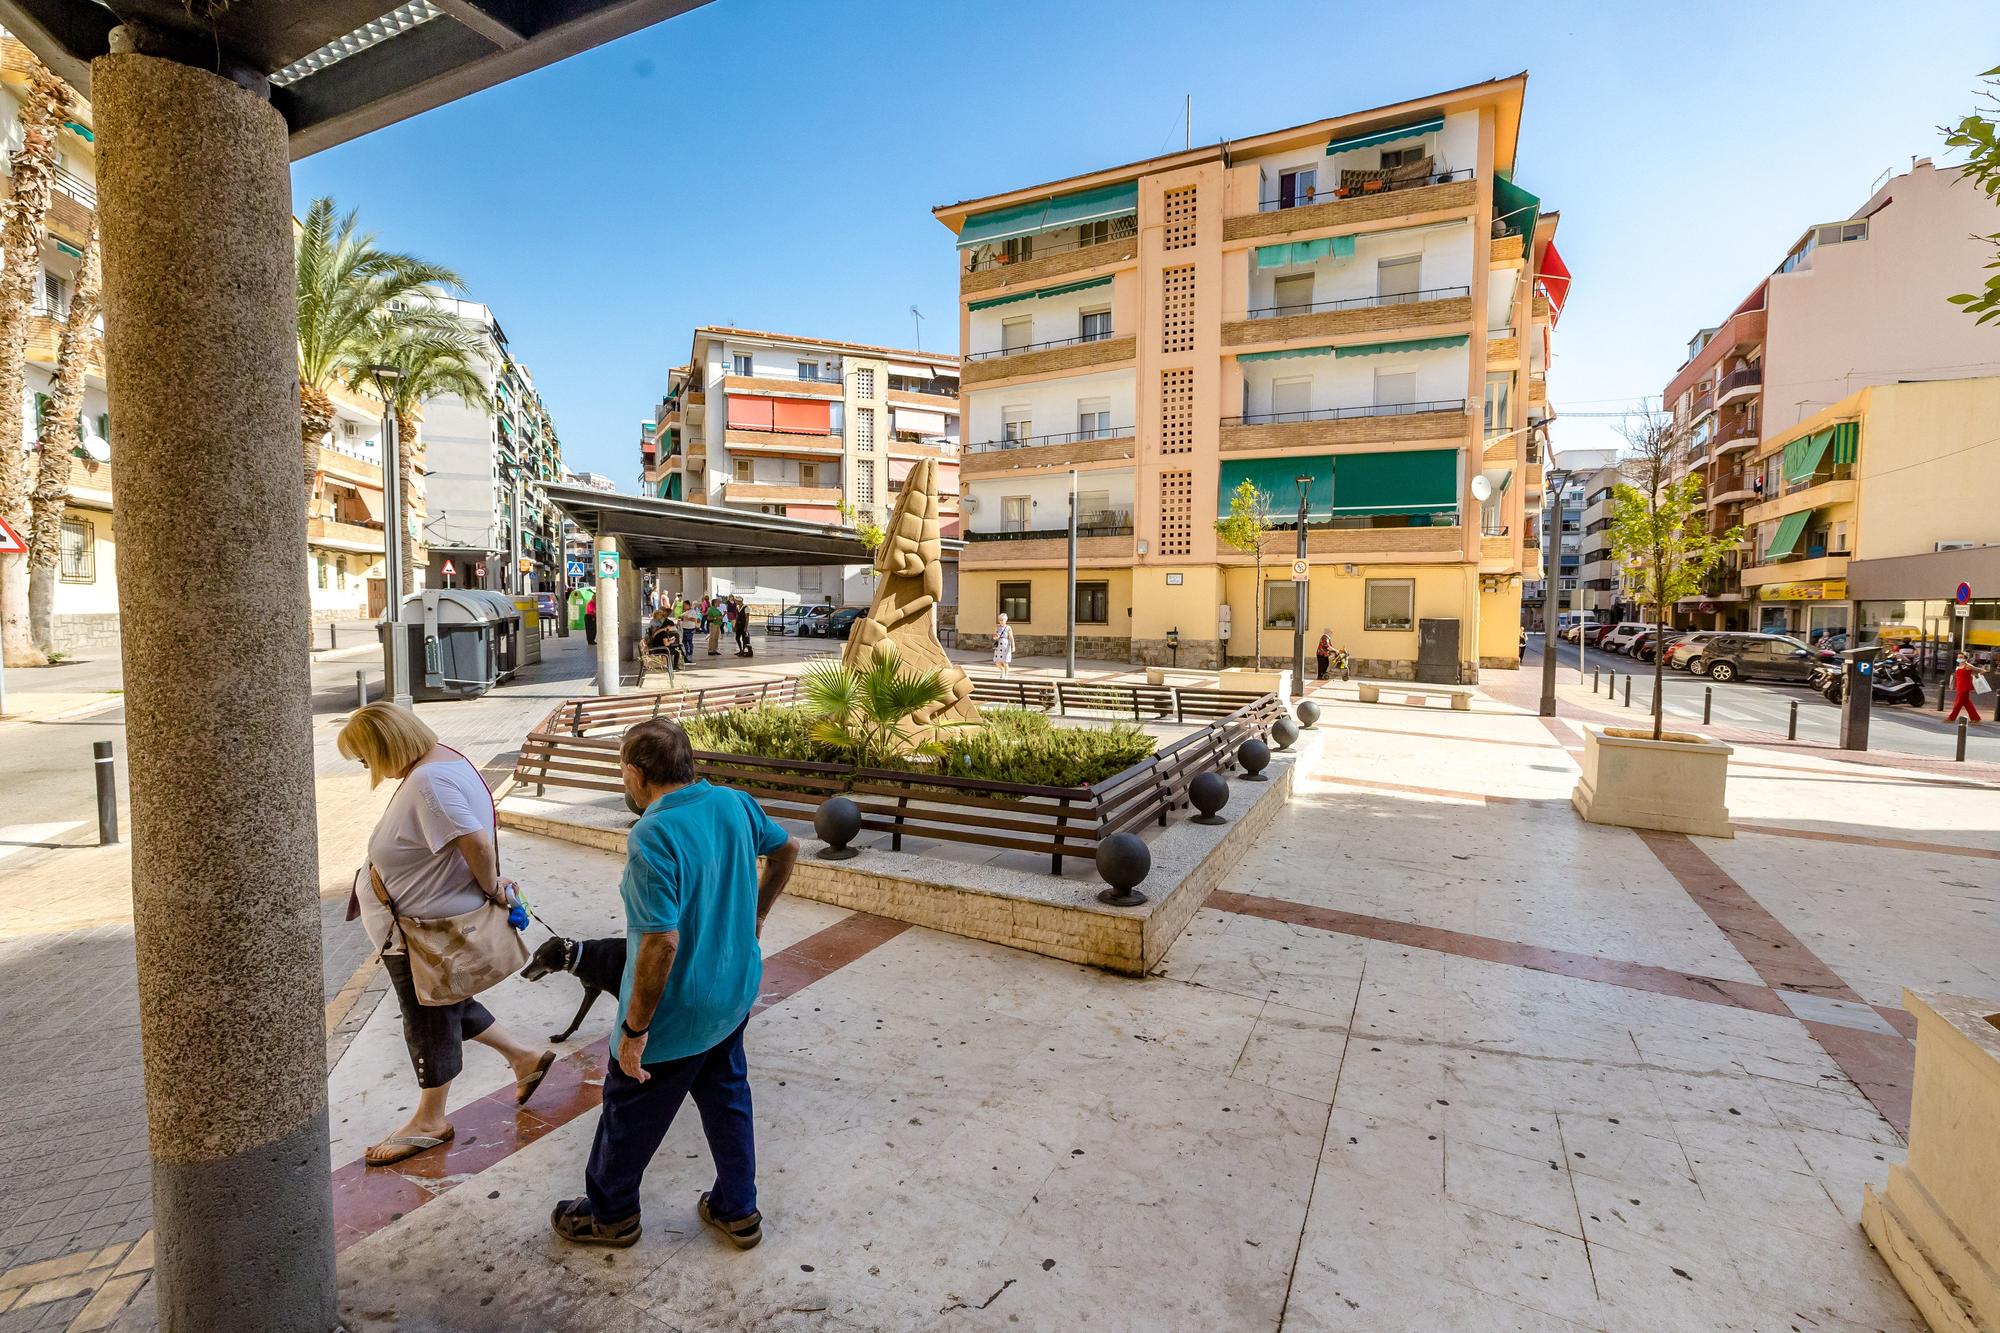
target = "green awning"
x: 1305, y: 252
x: 1406, y: 345
x: 1418, y: 481
x: 69, y: 249
x: 1787, y: 536
x: 1063, y: 290
x: 1279, y: 479
x: 80, y: 129
x: 1040, y: 215
x: 1847, y: 443
x: 1515, y: 210
x: 1803, y: 455
x: 1284, y: 355
x: 990, y: 302
x: 1429, y: 125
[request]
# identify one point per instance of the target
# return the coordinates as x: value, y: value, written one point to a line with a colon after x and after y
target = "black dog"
x: 598, y: 964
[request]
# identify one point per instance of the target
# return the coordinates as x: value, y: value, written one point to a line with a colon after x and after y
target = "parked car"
x: 808, y: 625
x: 788, y: 621
x: 1618, y: 638
x: 1751, y: 656
x: 1684, y: 651
x: 545, y: 605
x: 1596, y: 635
x: 841, y: 623
x: 1646, y: 645
x: 1570, y: 626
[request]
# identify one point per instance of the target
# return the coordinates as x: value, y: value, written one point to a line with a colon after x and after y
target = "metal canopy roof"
x: 673, y: 532
x: 340, y: 68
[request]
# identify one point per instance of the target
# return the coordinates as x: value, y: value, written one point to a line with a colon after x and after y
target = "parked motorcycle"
x: 1891, y: 682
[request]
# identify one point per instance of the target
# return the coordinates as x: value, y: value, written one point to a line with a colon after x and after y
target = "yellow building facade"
x: 1354, y: 313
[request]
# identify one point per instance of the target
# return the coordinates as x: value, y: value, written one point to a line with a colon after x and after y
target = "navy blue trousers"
x: 637, y: 1115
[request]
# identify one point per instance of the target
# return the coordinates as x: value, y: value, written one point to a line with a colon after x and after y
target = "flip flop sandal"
x: 743, y: 1233
x: 525, y: 1088
x: 573, y: 1221
x: 408, y: 1145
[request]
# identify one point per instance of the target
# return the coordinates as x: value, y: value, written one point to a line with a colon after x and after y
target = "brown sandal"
x: 525, y: 1088
x: 407, y: 1146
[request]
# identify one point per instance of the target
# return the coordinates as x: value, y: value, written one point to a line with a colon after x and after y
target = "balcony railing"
x: 1747, y: 377
x: 1035, y: 247
x: 1344, y: 413
x: 936, y: 388
x: 1097, y: 337
x: 1093, y: 523
x: 1362, y: 302
x: 75, y: 186
x: 1361, y: 522
x: 1053, y: 437
x: 1383, y: 182
x: 1489, y: 528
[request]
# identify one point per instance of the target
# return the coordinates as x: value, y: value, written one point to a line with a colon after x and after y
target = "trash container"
x: 529, y: 640
x: 455, y: 642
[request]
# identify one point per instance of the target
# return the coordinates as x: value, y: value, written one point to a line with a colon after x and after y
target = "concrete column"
x: 200, y: 350
x: 610, y: 623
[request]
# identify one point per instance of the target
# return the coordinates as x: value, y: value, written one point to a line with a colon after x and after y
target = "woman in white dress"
x: 1003, y: 644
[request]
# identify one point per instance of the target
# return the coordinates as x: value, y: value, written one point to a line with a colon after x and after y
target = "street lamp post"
x: 1300, y: 587
x: 1551, y: 569
x: 392, y: 553
x: 1069, y: 639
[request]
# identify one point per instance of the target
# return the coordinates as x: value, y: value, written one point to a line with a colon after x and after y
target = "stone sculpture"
x: 902, y: 619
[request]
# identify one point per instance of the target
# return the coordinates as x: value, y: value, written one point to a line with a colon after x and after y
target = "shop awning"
x: 1285, y: 354
x: 1790, y: 527
x: 1847, y: 442
x: 1414, y: 129
x: 1305, y: 252
x: 1040, y: 215
x: 1279, y: 479
x: 1064, y: 290
x: 1406, y: 345
x: 1514, y: 208
x: 1803, y: 455
x: 1419, y: 481
x: 1553, y: 275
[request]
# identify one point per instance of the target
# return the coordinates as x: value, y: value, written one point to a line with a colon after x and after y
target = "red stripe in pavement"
x: 1863, y: 840
x: 1410, y: 789
x: 368, y: 1198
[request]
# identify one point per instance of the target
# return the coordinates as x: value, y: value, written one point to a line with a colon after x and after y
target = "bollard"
x: 361, y: 689
x: 107, y: 788
x: 1708, y: 703
x: 1628, y: 689
x: 1960, y: 756
x: 1792, y: 727
x: 332, y: 637
x: 1595, y: 673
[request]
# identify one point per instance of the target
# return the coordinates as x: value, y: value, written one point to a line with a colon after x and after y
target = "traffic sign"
x: 607, y: 564
x: 1964, y: 594
x: 577, y: 569
x: 10, y: 540
x: 450, y: 570
x: 1301, y: 571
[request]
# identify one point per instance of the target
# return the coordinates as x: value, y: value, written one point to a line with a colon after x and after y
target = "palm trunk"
x: 60, y: 429
x: 408, y: 426
x: 315, y: 420
x: 48, y: 102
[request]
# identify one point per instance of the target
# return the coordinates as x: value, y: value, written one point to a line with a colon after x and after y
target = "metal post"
x: 1299, y: 589
x: 332, y: 637
x: 1551, y: 602
x: 1069, y: 618
x: 361, y: 688
x: 1708, y: 703
x: 608, y: 618
x: 1792, y: 723
x: 1960, y: 755
x: 1628, y: 689
x: 1596, y: 681
x: 397, y: 686
x: 107, y: 788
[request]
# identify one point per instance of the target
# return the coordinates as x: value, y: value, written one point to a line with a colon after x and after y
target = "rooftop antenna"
x: 1188, y: 115
x: 918, y: 315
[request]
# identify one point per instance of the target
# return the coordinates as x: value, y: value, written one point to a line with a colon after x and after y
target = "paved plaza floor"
x: 1437, y: 1055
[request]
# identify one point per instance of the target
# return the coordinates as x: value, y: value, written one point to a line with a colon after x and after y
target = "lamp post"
x: 1300, y: 587
x: 1551, y: 569
x: 392, y: 553
x: 1069, y: 636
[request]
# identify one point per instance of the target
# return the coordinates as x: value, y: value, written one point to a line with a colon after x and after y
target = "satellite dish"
x: 1482, y: 489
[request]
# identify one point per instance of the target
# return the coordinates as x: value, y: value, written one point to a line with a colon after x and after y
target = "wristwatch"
x: 626, y: 1028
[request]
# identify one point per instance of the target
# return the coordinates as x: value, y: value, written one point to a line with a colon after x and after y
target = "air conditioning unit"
x: 1953, y: 546
x: 968, y: 501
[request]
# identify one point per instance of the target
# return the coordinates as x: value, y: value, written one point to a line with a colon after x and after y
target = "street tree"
x: 45, y: 104
x: 436, y: 357
x: 61, y: 430
x: 1659, y: 532
x: 1244, y: 529
x: 346, y: 287
x: 1978, y: 135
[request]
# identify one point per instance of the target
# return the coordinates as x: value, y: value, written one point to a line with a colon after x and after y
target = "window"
x: 864, y: 383
x: 864, y: 483
x: 340, y: 569
x: 1017, y: 249
x: 1015, y: 512
x: 808, y: 370
x: 55, y: 294
x: 1281, y: 604
x: 1093, y: 604
x: 809, y: 474
x: 809, y: 577
x: 1293, y: 295
x: 1397, y: 157
x: 1093, y: 418
x: 79, y: 551
x: 1098, y: 232
x: 320, y: 565
x: 1017, y: 424
x: 1396, y: 280
x: 1016, y: 333
x: 1392, y: 603
x: 1839, y: 538
x: 743, y: 469
x: 1014, y: 602
x: 1291, y: 397
x: 1095, y: 325
x: 739, y: 363
x: 1093, y: 510
x: 1499, y: 387
x: 1395, y: 388
x: 1297, y: 187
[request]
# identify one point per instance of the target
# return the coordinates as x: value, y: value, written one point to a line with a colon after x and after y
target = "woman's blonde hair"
x: 386, y: 738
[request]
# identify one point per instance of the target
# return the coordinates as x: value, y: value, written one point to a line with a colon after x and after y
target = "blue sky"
x: 772, y: 164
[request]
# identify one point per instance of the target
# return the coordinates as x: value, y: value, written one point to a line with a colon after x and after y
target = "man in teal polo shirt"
x: 694, y: 907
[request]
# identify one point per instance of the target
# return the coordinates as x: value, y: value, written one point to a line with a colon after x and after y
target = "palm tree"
x: 434, y: 356
x: 867, y: 713
x: 48, y: 103
x: 346, y: 287
x: 61, y: 427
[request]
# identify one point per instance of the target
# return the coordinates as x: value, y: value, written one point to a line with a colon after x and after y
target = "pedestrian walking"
x: 434, y: 861
x: 689, y: 621
x: 590, y: 617
x: 694, y: 908
x: 1003, y: 644
x: 712, y: 614
x: 1323, y: 654
x: 1963, y: 683
x: 743, y: 648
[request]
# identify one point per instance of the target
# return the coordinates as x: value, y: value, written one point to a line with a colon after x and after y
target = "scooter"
x: 1890, y: 682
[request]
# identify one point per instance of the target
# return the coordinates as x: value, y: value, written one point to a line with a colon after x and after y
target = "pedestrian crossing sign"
x: 577, y: 569
x: 10, y: 540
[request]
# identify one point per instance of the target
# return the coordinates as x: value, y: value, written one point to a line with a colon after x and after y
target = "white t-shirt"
x: 411, y: 847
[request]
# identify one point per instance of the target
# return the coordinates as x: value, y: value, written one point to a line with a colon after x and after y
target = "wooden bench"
x: 1460, y: 696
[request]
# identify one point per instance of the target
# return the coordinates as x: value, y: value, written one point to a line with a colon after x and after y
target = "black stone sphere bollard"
x: 1209, y: 792
x: 1255, y: 757
x: 1284, y: 731
x: 1308, y: 713
x: 837, y: 822
x: 1123, y: 859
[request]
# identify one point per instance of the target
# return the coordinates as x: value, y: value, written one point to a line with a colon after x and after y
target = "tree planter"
x: 1676, y: 784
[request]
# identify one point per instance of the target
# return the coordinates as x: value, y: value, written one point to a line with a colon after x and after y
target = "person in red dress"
x: 1961, y: 689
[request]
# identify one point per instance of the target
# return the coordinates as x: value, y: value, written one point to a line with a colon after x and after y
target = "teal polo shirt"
x: 691, y: 866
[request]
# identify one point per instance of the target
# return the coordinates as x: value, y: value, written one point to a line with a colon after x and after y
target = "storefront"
x: 1812, y: 609
x: 1933, y: 628
x: 1908, y: 600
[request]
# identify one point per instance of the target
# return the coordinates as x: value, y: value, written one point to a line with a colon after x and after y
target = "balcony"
x: 1444, y: 419
x: 935, y: 394
x: 1045, y: 546
x: 343, y: 536
x: 1739, y: 431
x: 1027, y: 249
x: 1816, y: 563
x: 767, y: 492
x: 1739, y: 384
x: 1060, y: 449
x: 790, y: 388
x: 1059, y: 354
x: 1427, y: 542
x: 780, y: 442
x: 1811, y: 494
x: 1114, y: 243
x: 1361, y: 314
x: 1733, y: 488
x: 1115, y: 522
x: 1442, y: 191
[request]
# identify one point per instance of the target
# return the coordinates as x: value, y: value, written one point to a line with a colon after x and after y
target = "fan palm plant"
x: 866, y: 714
x: 347, y: 287
x: 435, y: 357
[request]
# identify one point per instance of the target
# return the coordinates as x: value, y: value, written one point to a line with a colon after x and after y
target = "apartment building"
x: 808, y: 428
x: 1355, y: 313
x: 1586, y: 578
x: 1855, y: 302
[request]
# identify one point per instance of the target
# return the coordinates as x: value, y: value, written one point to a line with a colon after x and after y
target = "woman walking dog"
x: 436, y: 908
